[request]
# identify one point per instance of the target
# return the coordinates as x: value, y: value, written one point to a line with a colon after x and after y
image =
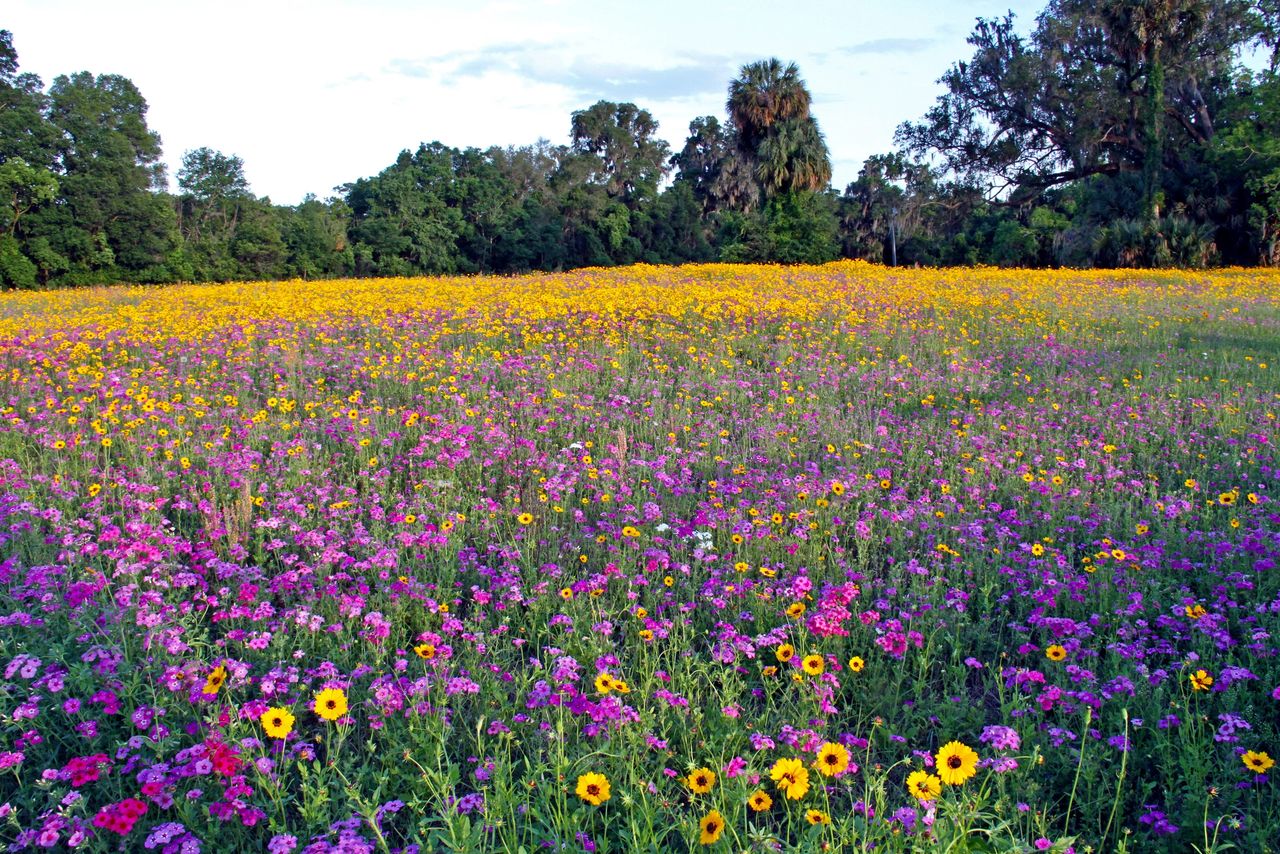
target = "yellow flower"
x: 856, y: 664
x: 646, y: 635
x: 425, y: 651
x: 1257, y: 761
x: 1194, y: 612
x: 630, y: 531
x: 795, y: 609
x: 759, y: 801
x: 566, y: 593
x: 1227, y: 498
x: 711, y: 826
x: 277, y: 721
x: 813, y: 665
x: 956, y: 763
x: 791, y: 776
x: 1056, y: 652
x: 593, y: 788
x: 837, y: 488
x: 785, y: 653
x: 924, y: 786
x: 833, y: 759
x: 817, y: 817
x: 331, y: 703
x: 525, y: 518
x: 604, y: 683
x: 1201, y: 680
x: 702, y: 780
x: 217, y: 677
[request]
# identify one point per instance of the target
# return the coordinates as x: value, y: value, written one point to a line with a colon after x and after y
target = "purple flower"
x: 282, y: 843
x: 1001, y: 737
x: 1156, y: 820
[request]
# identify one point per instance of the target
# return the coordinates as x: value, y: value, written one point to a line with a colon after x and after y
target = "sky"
x: 315, y: 94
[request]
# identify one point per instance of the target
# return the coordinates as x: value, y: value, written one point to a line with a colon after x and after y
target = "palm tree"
x: 735, y: 187
x: 765, y: 93
x: 793, y: 157
x: 777, y: 140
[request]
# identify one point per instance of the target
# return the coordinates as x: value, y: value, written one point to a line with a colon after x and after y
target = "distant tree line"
x: 1112, y: 133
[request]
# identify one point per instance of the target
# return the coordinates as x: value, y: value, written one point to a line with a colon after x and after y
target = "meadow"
x: 838, y: 558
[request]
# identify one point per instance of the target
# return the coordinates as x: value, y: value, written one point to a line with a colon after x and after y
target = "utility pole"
x: 893, y: 235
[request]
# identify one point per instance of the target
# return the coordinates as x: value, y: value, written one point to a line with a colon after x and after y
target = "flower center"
x: 954, y: 762
x: 593, y: 789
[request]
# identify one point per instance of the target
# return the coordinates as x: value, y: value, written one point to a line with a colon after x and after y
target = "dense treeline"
x: 1115, y: 133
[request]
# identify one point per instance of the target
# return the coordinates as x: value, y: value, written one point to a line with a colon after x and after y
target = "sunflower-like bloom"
x: 331, y: 704
x: 791, y: 776
x: 817, y: 817
x: 702, y: 780
x: 711, y: 826
x: 924, y: 786
x: 833, y: 759
x: 1257, y: 761
x: 217, y: 677
x: 277, y: 721
x: 813, y: 665
x: 759, y: 800
x: 956, y: 763
x: 1201, y: 680
x: 593, y: 788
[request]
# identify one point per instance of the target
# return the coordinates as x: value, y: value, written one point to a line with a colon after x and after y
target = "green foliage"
x: 16, y: 270
x: 629, y: 159
x: 1146, y: 143
x: 23, y: 187
x: 776, y: 137
x: 402, y: 218
x: 795, y: 228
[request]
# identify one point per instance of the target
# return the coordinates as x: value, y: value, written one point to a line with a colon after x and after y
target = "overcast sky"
x: 318, y: 93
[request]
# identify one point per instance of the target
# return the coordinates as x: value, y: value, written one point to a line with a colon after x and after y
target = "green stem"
x: 1088, y: 718
x: 1124, y: 765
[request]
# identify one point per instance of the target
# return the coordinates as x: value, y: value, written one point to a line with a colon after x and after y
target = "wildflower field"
x: 645, y: 559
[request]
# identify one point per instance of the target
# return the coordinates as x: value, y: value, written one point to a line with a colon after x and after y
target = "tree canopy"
x: 1116, y: 132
